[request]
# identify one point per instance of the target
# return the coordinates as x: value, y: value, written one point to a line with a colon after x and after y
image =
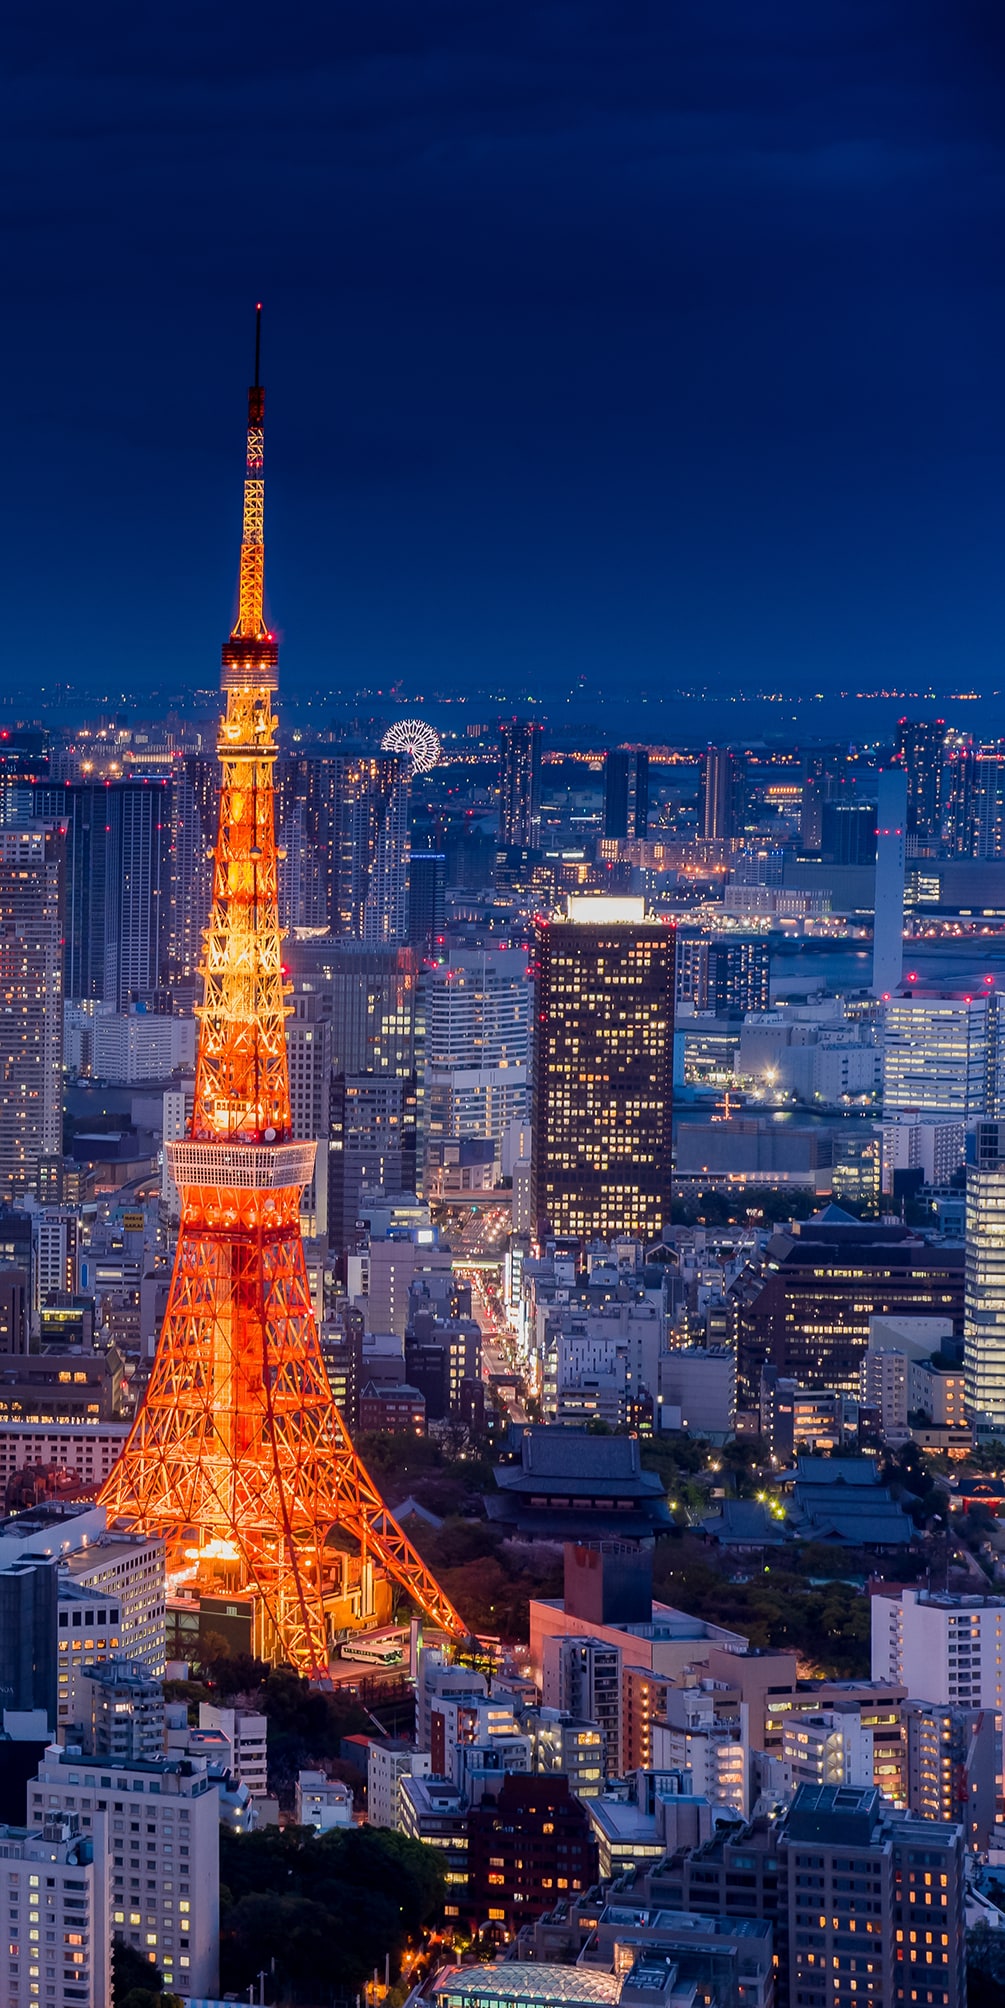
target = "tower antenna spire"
x: 238, y: 1456
x: 258, y: 344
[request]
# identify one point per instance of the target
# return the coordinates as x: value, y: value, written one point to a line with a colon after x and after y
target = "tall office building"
x: 626, y: 793
x: 920, y: 749
x: 848, y: 833
x: 28, y: 1636
x: 723, y: 789
x: 936, y: 1057
x: 984, y: 1289
x: 520, y: 782
x: 371, y: 847
x: 427, y: 882
x: 374, y: 1139
x: 476, y: 1011
x: 192, y: 836
x: 118, y: 876
x: 603, y: 1072
x: 31, y: 1004
x: 870, y: 1909
x: 953, y: 1766
x: 368, y: 996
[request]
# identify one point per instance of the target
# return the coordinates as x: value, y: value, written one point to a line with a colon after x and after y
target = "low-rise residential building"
x: 387, y: 1763
x: 322, y: 1803
x: 434, y: 1810
x: 527, y: 1847
x: 123, y: 1710
x: 246, y: 1731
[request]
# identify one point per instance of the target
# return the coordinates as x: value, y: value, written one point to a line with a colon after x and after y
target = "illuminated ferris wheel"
x: 418, y: 740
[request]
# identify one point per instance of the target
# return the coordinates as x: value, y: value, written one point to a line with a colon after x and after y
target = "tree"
x: 135, y: 1982
x: 327, y: 1908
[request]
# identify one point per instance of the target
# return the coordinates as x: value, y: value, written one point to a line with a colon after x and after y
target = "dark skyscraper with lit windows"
x: 520, y: 782
x: 920, y: 748
x: 603, y: 1072
x: 626, y: 794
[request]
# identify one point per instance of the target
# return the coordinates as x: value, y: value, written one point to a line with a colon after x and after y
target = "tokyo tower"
x: 238, y: 1455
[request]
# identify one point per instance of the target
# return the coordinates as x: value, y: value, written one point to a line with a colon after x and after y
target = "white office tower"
x: 158, y: 1823
x: 129, y: 1570
x: 984, y: 1284
x: 935, y: 1057
x: 54, y: 1888
x: 477, y: 1010
x: 942, y: 1648
x: 888, y: 927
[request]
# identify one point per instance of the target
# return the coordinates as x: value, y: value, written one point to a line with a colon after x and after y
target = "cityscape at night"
x: 502, y: 1064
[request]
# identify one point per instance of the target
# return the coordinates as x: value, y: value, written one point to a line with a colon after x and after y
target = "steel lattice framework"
x: 238, y: 1455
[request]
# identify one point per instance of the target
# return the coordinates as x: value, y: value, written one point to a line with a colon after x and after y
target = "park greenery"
x: 318, y: 1913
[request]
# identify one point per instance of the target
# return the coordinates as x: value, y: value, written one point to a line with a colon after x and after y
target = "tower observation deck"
x: 238, y: 1455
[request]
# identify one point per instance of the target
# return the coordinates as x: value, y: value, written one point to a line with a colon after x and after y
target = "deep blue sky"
x: 654, y: 344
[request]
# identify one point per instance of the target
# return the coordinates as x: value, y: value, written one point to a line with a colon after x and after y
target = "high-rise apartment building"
x: 31, y: 1004
x: 729, y: 975
x: 55, y: 1892
x: 626, y: 794
x: 920, y: 749
x: 583, y: 1678
x: 940, y: 1647
x: 371, y: 848
x: 988, y: 825
x: 723, y: 791
x: 118, y: 890
x: 159, y: 1821
x: 953, y: 1766
x: 984, y: 1297
x: 192, y: 834
x: 603, y: 1073
x: 520, y: 782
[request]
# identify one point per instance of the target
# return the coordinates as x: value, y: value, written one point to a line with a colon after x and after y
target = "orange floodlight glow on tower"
x: 239, y: 1456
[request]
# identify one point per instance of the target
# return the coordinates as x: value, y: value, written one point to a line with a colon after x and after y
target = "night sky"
x: 649, y: 345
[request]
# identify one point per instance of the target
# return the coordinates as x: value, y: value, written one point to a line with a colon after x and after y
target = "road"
x: 497, y: 1344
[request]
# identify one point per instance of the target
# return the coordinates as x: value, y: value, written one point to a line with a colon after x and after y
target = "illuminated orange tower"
x: 238, y: 1455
